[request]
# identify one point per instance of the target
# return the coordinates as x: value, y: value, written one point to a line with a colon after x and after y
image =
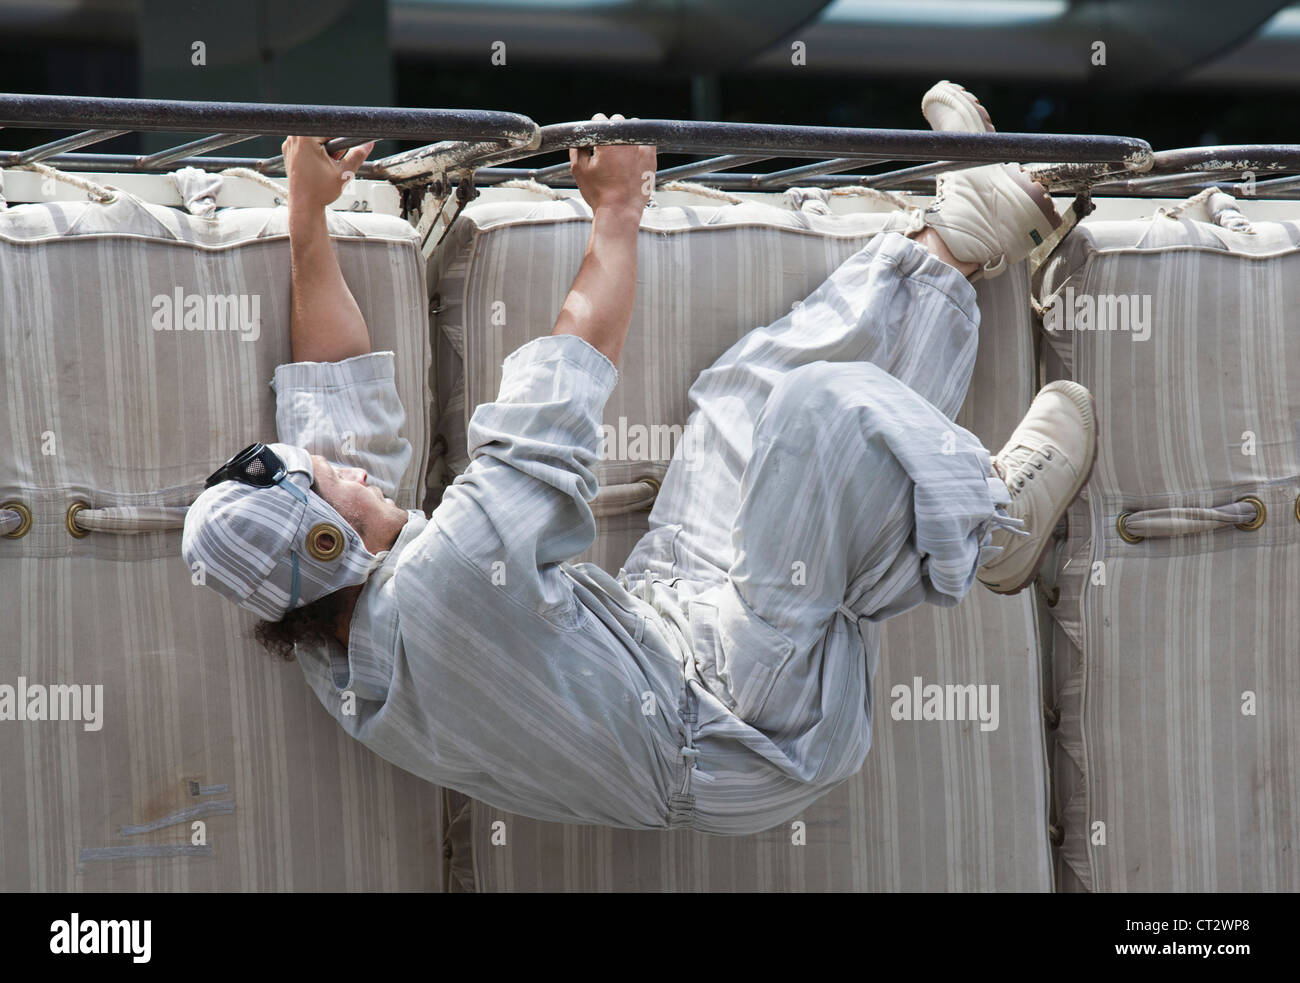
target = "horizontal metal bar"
x: 1278, y: 189
x: 1187, y: 170
x: 1233, y: 157
x: 1187, y: 191
x: 780, y: 140
x: 1277, y: 184
x: 1161, y: 184
x: 276, y: 119
x: 130, y: 164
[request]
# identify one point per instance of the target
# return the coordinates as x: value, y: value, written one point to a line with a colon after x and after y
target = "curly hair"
x: 313, y: 623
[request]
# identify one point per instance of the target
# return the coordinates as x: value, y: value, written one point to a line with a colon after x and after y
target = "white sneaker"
x: 1045, y: 465
x: 992, y: 216
x: 948, y: 107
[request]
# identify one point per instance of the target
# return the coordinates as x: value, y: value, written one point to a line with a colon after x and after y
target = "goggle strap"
x: 287, y: 483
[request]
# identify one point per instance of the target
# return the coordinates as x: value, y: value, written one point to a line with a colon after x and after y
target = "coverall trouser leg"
x: 821, y: 476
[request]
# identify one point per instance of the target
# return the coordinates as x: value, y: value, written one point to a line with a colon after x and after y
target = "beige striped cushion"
x: 133, y: 416
x: 1151, y: 667
x: 938, y: 806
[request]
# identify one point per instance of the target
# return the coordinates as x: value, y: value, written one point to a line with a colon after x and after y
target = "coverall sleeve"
x: 522, y: 506
x: 348, y: 412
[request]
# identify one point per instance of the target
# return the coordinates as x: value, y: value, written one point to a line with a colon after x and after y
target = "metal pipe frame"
x: 481, y: 146
x: 233, y: 122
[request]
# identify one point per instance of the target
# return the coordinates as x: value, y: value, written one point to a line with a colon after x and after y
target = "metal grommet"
x: 24, y: 513
x: 1056, y: 834
x: 1121, y: 528
x: 316, y: 533
x: 73, y: 528
x: 1052, y: 716
x: 1261, y: 513
x: 1053, y: 596
x: 654, y: 485
x: 1297, y: 508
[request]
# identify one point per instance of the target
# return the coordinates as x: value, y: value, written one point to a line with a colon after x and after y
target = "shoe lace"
x: 1020, y: 464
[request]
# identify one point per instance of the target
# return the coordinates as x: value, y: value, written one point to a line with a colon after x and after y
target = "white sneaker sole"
x: 973, y: 117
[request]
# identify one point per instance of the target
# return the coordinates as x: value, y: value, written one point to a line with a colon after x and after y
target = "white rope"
x: 690, y: 187
x: 98, y: 192
x: 536, y: 187
x: 1223, y: 209
x: 253, y: 176
x: 884, y: 197
x: 1173, y: 211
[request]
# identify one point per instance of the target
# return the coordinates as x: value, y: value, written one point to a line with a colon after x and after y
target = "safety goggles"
x: 255, y: 465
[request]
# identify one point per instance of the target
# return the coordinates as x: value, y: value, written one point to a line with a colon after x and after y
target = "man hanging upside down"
x: 704, y: 686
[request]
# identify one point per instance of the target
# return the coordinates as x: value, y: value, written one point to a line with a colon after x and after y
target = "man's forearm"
x: 325, y: 322
x: 599, y: 305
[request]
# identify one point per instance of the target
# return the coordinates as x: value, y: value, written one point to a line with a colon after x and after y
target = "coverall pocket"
x: 738, y: 655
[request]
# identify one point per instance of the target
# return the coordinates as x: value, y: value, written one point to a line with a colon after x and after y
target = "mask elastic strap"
x: 287, y: 483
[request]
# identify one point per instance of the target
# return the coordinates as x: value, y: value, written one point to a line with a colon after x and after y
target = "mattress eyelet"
x: 24, y: 514
x: 1261, y: 513
x: 71, y: 521
x: 654, y: 486
x: 1122, y: 529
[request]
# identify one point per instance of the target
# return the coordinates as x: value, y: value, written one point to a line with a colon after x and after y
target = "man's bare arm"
x: 616, y: 182
x: 325, y: 324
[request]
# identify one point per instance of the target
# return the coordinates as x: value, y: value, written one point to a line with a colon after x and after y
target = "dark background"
x: 1177, y: 74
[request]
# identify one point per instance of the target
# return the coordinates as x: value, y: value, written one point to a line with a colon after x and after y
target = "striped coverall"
x: 722, y: 680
